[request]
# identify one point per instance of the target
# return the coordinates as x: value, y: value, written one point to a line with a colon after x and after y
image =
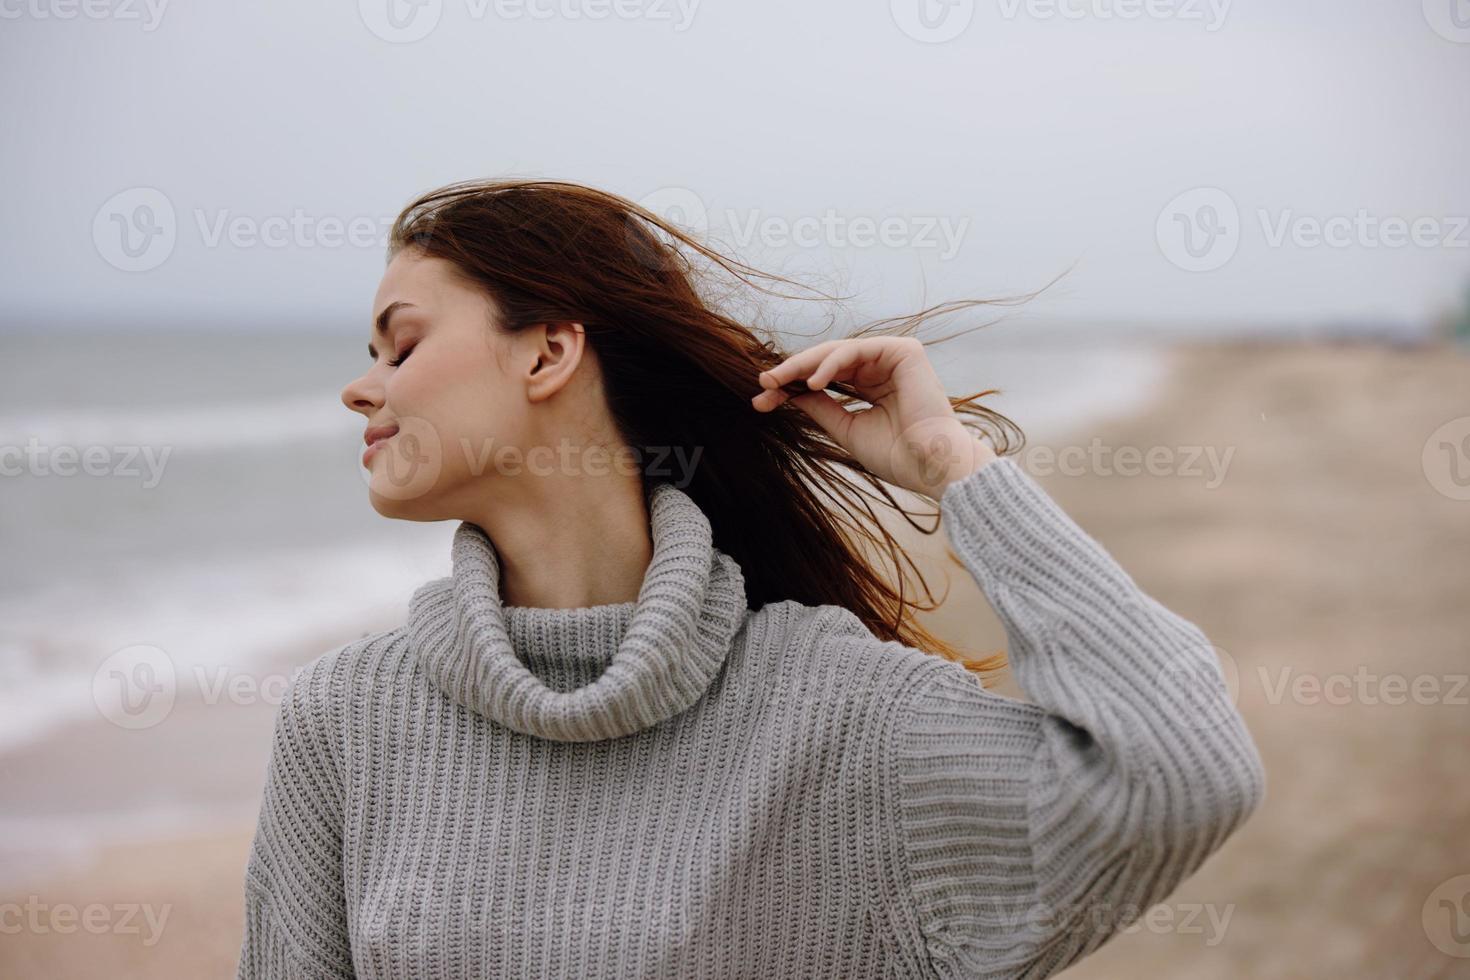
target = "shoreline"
x: 1323, y: 549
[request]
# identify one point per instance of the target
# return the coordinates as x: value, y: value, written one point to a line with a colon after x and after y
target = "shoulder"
x: 320, y: 688
x: 795, y: 629
x: 314, y: 727
x: 797, y: 619
x: 831, y: 646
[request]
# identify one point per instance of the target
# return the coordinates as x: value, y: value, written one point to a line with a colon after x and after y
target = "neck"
x: 595, y: 672
x: 568, y: 542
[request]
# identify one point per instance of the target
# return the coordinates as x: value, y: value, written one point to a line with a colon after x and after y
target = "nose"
x: 363, y: 394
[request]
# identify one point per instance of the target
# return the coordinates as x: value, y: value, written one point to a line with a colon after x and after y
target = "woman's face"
x: 447, y: 387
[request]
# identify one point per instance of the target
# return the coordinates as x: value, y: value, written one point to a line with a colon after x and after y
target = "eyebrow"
x: 382, y: 324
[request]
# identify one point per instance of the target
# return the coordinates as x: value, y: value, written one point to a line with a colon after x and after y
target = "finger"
x: 798, y: 365
x: 769, y: 399
x: 828, y: 413
x: 840, y: 359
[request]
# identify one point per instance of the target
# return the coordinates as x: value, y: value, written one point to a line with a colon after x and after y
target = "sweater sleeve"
x: 1033, y: 832
x: 295, y: 912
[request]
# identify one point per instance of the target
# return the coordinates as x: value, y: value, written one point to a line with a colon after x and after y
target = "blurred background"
x: 1252, y: 385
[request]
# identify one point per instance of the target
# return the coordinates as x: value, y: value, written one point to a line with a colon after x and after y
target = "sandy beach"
x: 1301, y: 525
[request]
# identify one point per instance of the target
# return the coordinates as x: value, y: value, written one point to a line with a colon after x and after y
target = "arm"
x: 295, y: 913
x: 1031, y: 833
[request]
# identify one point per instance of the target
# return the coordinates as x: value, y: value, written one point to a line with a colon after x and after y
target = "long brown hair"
x: 782, y: 498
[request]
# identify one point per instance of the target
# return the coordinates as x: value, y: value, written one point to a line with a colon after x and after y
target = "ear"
x: 557, y: 350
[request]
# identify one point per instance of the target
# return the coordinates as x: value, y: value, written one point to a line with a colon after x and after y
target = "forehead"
x: 431, y: 286
x: 410, y: 277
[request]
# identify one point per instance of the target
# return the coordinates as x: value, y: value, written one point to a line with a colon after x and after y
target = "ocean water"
x: 240, y: 526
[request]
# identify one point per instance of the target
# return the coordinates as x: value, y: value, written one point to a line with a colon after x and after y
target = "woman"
x: 664, y: 719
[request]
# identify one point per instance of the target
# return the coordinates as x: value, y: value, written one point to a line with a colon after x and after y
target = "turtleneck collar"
x: 596, y: 672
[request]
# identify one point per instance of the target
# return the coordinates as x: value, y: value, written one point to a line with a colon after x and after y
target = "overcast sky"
x: 1262, y: 160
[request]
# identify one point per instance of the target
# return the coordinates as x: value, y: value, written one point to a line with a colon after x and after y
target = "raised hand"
x: 910, y: 437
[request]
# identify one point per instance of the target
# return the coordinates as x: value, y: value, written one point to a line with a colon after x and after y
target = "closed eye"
x: 395, y: 361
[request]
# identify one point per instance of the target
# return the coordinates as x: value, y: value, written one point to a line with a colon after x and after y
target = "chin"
x: 398, y: 506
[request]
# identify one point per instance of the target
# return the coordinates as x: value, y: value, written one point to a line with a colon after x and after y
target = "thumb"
x: 827, y: 412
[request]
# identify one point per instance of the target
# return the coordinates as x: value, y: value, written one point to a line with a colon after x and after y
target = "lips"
x: 375, y: 436
x: 377, y: 433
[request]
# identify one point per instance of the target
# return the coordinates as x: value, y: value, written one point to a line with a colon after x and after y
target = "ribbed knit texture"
x: 661, y: 651
x: 679, y: 787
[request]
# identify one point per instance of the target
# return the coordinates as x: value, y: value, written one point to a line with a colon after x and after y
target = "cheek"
x: 468, y: 417
x: 427, y: 386
x: 421, y: 399
x: 405, y: 386
x: 481, y: 425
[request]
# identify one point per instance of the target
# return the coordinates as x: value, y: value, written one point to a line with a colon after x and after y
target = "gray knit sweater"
x: 681, y: 787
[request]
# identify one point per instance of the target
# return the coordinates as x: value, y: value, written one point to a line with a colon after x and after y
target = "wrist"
x: 980, y: 455
x: 935, y: 452
x: 972, y: 455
